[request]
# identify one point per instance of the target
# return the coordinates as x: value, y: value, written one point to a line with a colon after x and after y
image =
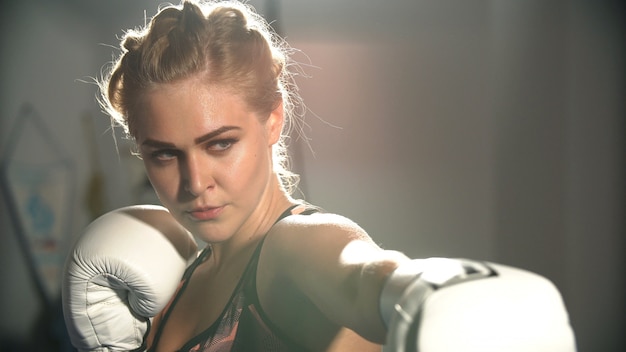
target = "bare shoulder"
x: 316, y: 243
x: 318, y: 226
x: 314, y: 260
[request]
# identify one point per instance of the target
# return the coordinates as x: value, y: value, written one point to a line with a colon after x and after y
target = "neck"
x: 240, y: 246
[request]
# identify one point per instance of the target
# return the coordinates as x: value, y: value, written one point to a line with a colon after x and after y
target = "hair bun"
x: 228, y: 18
x: 191, y: 17
x: 132, y: 43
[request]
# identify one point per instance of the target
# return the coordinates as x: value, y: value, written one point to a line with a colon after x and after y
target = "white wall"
x: 490, y: 130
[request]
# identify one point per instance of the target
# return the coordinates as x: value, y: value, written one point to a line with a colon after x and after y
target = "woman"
x: 206, y: 94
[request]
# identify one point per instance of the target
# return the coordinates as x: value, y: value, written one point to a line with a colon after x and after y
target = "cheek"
x: 247, y: 170
x: 239, y: 171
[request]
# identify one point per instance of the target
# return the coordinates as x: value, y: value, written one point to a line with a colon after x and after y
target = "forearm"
x: 370, y: 280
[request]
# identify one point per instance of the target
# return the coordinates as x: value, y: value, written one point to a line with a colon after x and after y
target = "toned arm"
x: 336, y: 265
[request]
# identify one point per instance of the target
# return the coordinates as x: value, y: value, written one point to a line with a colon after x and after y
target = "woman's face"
x: 208, y: 157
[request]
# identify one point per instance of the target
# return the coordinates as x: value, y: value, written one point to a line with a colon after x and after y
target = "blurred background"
x: 481, y: 129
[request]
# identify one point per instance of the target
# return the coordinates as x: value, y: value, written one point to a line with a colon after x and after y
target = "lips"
x: 205, y: 213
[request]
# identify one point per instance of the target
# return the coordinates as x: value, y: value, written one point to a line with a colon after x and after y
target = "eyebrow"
x: 160, y: 144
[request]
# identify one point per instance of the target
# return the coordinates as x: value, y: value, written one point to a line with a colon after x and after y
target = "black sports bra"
x: 242, y: 326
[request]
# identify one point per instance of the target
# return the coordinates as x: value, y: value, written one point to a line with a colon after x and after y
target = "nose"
x: 196, y: 175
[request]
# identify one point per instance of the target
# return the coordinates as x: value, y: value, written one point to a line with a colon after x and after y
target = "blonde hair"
x: 224, y: 42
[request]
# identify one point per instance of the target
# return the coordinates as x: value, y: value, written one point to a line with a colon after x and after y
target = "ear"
x: 274, y: 124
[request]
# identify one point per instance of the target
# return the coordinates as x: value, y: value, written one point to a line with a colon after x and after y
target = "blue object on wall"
x: 38, y: 182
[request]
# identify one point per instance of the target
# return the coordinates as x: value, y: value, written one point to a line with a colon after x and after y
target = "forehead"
x: 187, y: 108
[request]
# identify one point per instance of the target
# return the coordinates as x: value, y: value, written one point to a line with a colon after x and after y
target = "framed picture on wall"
x: 38, y: 182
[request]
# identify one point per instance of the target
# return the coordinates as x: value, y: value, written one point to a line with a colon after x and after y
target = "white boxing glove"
x: 440, y: 304
x: 123, y: 271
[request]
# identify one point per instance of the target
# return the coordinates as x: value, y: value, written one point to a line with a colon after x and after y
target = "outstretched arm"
x: 438, y: 304
x: 337, y: 266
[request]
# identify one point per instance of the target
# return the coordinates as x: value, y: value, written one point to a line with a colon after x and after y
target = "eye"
x: 221, y: 145
x: 163, y: 155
